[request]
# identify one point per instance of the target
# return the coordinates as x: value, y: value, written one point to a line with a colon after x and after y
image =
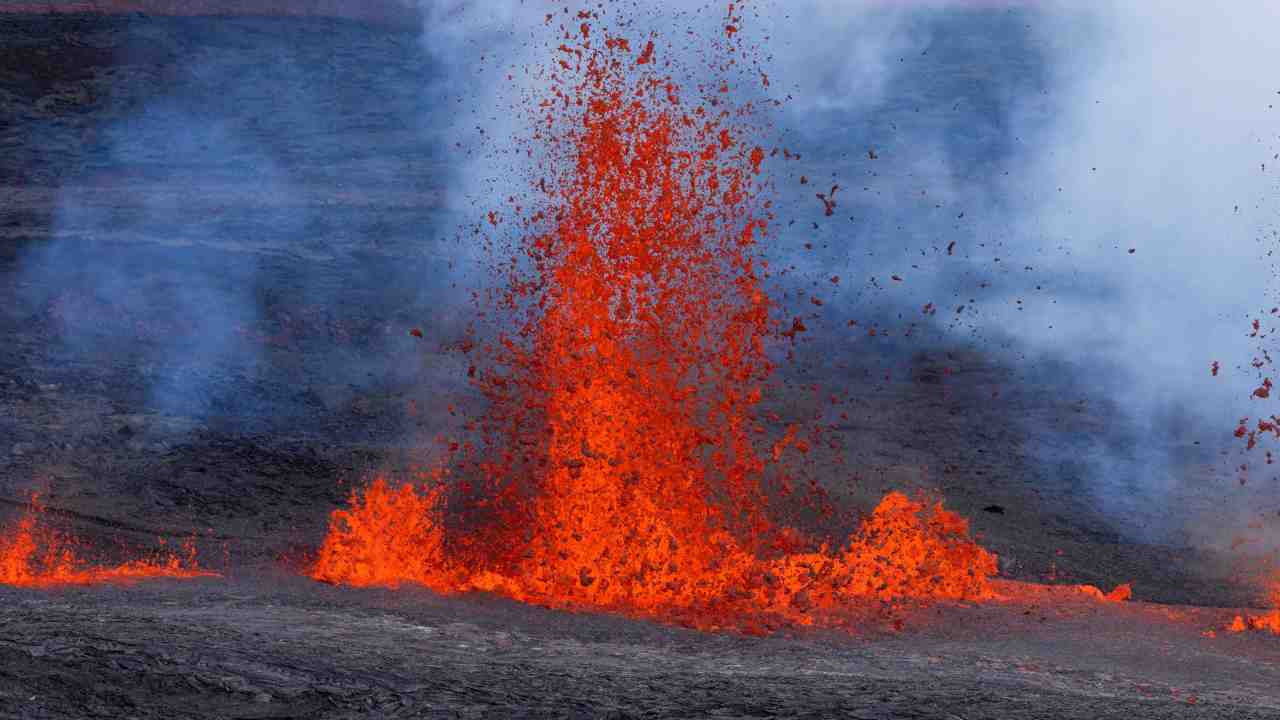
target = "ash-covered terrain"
x: 215, y: 238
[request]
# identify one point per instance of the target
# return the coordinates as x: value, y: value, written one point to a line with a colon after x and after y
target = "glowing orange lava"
x: 389, y: 536
x: 1119, y: 593
x: 907, y: 549
x: 32, y: 554
x: 1269, y: 622
x: 621, y: 464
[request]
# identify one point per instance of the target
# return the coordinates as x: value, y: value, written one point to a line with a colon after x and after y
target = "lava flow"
x: 33, y: 554
x: 621, y: 464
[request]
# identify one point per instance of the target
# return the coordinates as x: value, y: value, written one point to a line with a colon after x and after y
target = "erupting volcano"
x: 765, y: 329
x: 621, y: 463
x: 35, y: 554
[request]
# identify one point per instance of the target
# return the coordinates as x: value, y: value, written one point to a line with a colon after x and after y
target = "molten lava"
x: 621, y: 463
x: 33, y: 554
x: 1119, y: 593
x: 1269, y: 622
x: 907, y: 549
x: 389, y: 536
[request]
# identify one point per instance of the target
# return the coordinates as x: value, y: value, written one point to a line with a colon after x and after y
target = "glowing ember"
x: 620, y: 459
x: 32, y: 554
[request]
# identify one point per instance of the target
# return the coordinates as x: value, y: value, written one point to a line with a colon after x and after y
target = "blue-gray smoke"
x: 257, y: 223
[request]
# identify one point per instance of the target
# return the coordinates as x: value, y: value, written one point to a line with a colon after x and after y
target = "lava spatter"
x: 35, y: 554
x: 621, y: 464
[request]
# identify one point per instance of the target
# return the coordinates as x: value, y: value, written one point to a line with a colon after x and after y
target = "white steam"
x: 1160, y: 137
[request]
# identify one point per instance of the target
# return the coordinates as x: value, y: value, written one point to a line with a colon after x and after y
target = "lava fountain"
x: 622, y: 465
x: 35, y: 554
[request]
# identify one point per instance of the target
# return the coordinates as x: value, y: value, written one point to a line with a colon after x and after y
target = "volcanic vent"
x: 620, y: 464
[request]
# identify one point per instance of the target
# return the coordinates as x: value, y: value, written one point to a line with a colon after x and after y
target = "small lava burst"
x: 621, y: 465
x: 1268, y: 622
x: 34, y: 554
x: 1120, y: 593
x: 388, y: 536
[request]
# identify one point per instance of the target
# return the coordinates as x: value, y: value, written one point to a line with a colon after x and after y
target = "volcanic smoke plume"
x: 619, y: 464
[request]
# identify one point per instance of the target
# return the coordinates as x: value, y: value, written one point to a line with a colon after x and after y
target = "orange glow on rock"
x: 33, y: 554
x: 622, y: 466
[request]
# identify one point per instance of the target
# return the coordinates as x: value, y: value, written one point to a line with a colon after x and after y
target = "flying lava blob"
x: 34, y: 554
x: 621, y: 464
